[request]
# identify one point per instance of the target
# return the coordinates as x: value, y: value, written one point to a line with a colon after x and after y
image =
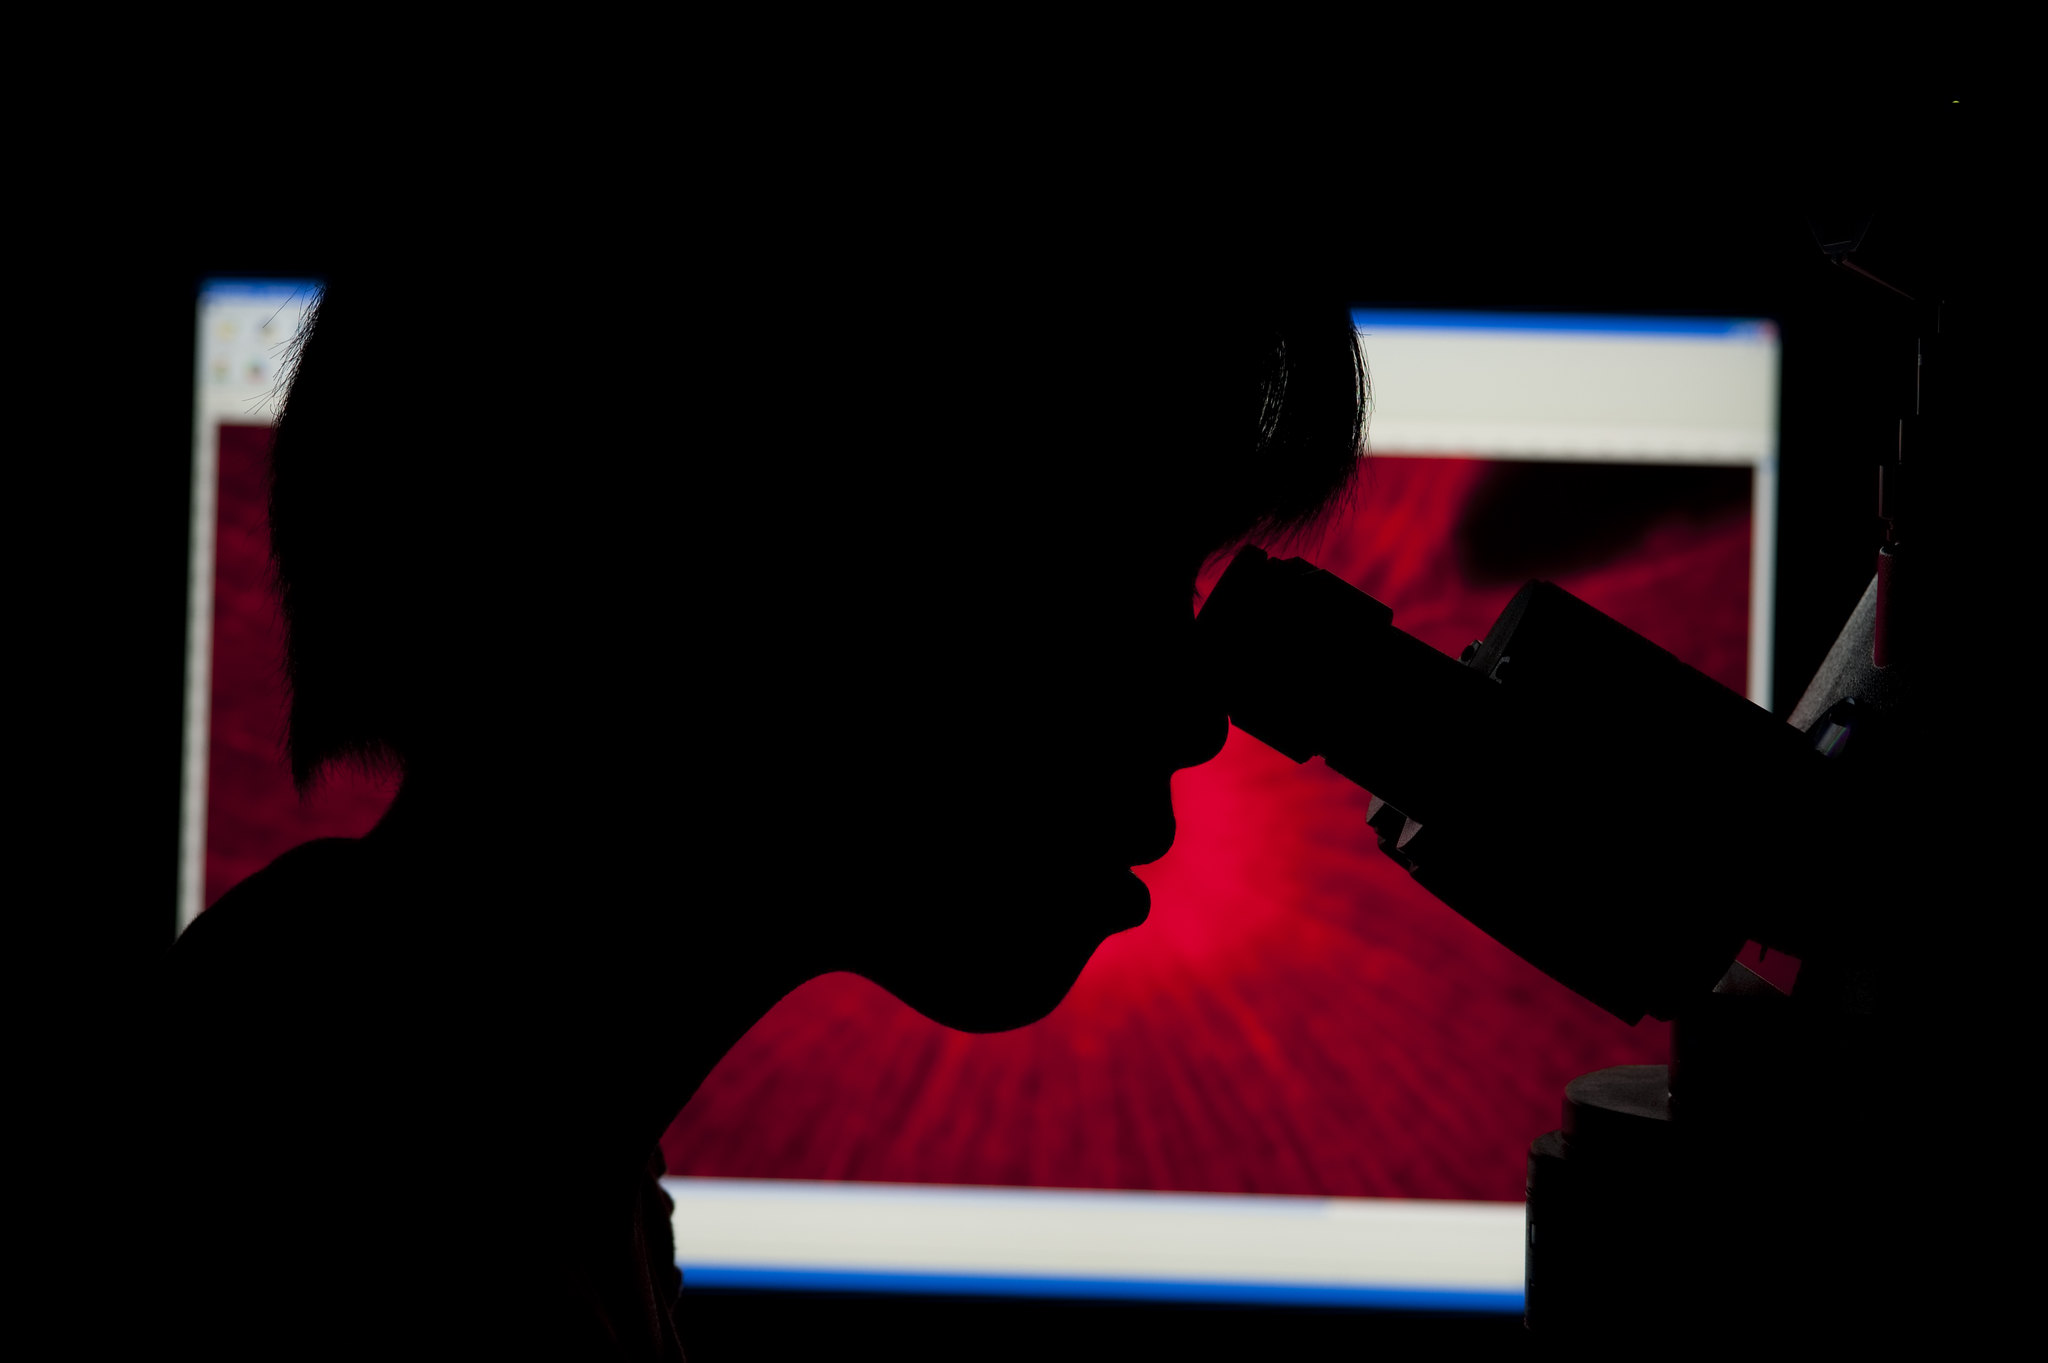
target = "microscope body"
x: 1627, y: 824
x: 1589, y: 800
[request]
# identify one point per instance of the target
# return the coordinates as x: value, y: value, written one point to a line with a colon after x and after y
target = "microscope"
x: 1665, y: 848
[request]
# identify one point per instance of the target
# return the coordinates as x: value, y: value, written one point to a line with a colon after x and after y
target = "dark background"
x: 1618, y: 215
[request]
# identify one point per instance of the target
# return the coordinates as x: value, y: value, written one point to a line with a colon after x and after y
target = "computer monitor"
x: 1303, y: 1080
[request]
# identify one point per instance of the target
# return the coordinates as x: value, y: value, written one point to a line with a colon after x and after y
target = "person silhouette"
x: 719, y: 639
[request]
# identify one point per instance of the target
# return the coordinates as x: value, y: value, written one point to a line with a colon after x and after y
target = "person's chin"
x: 1012, y: 980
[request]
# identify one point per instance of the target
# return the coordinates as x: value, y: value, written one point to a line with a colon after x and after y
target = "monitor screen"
x: 1303, y: 1079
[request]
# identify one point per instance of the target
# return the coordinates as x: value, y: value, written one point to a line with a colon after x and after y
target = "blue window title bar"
x: 257, y: 290
x: 1721, y: 328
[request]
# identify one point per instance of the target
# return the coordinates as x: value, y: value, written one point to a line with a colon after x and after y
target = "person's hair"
x: 441, y: 450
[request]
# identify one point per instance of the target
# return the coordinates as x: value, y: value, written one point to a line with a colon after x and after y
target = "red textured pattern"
x: 1296, y: 1017
x: 252, y: 814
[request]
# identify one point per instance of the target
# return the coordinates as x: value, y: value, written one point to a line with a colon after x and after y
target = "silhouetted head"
x: 852, y: 584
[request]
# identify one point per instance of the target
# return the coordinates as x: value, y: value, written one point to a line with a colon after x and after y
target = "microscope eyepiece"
x: 1310, y: 665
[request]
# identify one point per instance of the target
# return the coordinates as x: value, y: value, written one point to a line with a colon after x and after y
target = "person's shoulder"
x: 262, y: 991
x: 300, y: 895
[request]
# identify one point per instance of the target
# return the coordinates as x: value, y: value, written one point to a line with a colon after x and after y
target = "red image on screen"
x: 1297, y: 1016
